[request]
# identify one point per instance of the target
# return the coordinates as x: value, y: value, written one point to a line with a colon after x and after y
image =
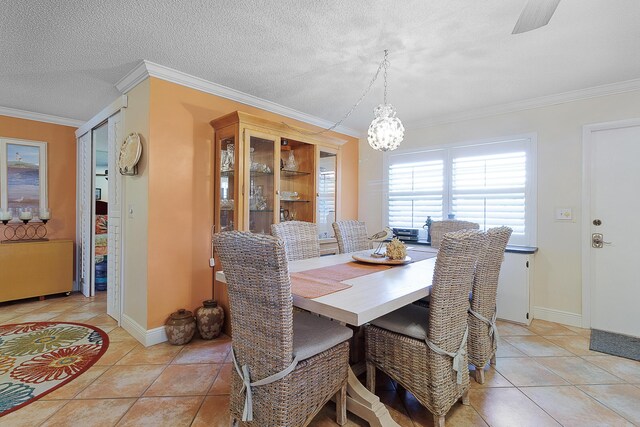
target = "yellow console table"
x: 35, y: 269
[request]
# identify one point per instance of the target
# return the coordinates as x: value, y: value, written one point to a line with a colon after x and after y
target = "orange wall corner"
x: 180, y: 167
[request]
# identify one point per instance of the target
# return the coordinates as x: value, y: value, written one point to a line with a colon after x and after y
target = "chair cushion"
x: 410, y: 320
x: 313, y: 334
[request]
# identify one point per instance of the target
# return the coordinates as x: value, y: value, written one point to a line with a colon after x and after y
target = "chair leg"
x: 438, y: 420
x: 371, y: 377
x: 465, y: 397
x: 341, y: 405
x: 479, y: 376
x: 493, y: 360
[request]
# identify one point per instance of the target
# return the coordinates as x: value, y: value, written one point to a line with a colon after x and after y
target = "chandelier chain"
x: 384, y: 64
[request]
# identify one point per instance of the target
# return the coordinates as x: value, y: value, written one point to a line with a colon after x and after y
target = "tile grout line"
x: 532, y: 401
x: 603, y: 403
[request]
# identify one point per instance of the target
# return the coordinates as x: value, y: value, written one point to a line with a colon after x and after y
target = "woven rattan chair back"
x: 255, y: 268
x: 300, y: 239
x: 351, y: 236
x: 439, y: 228
x: 485, y: 288
x: 452, y: 280
x: 434, y: 370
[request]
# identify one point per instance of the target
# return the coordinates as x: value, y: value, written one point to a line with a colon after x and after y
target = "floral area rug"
x: 37, y: 358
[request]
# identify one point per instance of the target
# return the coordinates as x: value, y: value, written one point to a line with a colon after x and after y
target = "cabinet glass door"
x: 227, y: 184
x: 261, y: 201
x: 326, y: 205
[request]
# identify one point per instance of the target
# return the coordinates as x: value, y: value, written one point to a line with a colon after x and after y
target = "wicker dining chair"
x: 287, y: 366
x: 301, y: 240
x: 424, y: 350
x: 351, y: 236
x: 483, y: 332
x: 439, y: 228
x: 437, y: 231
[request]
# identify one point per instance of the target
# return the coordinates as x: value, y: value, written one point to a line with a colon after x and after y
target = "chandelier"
x: 385, y: 131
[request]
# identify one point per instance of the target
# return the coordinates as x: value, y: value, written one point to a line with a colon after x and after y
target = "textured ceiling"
x: 64, y: 57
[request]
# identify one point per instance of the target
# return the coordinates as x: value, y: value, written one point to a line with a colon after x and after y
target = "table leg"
x: 367, y: 405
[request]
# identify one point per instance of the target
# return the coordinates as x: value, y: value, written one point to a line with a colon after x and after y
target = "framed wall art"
x: 23, y: 175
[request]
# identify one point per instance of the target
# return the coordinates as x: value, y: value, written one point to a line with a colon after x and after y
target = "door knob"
x: 597, y: 241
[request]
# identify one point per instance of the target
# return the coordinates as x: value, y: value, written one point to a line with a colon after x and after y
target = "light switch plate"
x: 564, y: 214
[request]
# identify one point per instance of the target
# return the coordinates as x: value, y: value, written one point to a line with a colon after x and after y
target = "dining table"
x: 362, y: 299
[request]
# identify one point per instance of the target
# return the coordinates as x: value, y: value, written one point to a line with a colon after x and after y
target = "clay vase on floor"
x: 210, y: 318
x: 180, y: 327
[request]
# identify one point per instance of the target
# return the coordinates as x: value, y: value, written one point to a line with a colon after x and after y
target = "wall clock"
x: 130, y: 154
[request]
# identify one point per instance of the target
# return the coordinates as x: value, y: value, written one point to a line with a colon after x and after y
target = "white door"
x: 114, y: 236
x: 85, y: 212
x: 612, y: 153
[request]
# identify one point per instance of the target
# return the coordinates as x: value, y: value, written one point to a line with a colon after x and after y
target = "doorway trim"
x: 103, y: 116
x: 587, y: 146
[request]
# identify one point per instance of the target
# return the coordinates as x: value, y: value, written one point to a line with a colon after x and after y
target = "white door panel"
x: 513, y: 299
x: 615, y: 179
x: 85, y: 192
x: 114, y: 248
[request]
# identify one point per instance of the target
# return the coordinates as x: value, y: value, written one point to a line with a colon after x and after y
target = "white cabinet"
x: 328, y: 246
x: 514, y: 296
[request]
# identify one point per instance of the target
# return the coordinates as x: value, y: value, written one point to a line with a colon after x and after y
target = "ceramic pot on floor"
x: 180, y: 327
x: 209, y: 318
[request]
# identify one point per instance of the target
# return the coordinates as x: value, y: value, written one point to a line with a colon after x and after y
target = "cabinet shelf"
x: 253, y: 173
x: 264, y: 210
x: 288, y: 173
x: 294, y: 201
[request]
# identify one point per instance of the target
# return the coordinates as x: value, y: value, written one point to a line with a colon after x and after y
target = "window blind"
x: 415, y: 192
x: 490, y: 190
x: 491, y: 183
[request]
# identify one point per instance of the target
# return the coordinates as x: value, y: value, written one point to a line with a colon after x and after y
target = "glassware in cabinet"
x: 262, y: 186
x: 225, y: 206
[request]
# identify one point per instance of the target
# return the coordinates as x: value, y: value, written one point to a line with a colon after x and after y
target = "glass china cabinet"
x: 267, y: 172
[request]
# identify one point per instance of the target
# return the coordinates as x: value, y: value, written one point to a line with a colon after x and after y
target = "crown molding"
x: 39, y: 117
x: 108, y: 111
x: 149, y: 69
x: 138, y: 74
x: 528, y: 104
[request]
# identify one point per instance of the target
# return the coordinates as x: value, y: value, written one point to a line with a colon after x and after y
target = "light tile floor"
x: 545, y: 375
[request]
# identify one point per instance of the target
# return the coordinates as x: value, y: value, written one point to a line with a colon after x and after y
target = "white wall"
x: 557, y: 282
x: 136, y: 119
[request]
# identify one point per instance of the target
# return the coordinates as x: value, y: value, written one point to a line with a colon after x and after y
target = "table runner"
x: 327, y: 280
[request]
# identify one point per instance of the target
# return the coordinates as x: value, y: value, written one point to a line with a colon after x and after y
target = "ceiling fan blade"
x: 536, y: 14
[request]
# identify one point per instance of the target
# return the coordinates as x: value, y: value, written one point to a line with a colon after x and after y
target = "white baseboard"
x: 156, y: 336
x: 557, y: 316
x: 145, y: 337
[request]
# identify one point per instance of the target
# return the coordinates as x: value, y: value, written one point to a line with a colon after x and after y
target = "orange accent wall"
x: 61, y: 169
x: 180, y: 162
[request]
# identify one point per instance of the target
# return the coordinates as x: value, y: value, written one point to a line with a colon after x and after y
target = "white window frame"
x: 530, y: 236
